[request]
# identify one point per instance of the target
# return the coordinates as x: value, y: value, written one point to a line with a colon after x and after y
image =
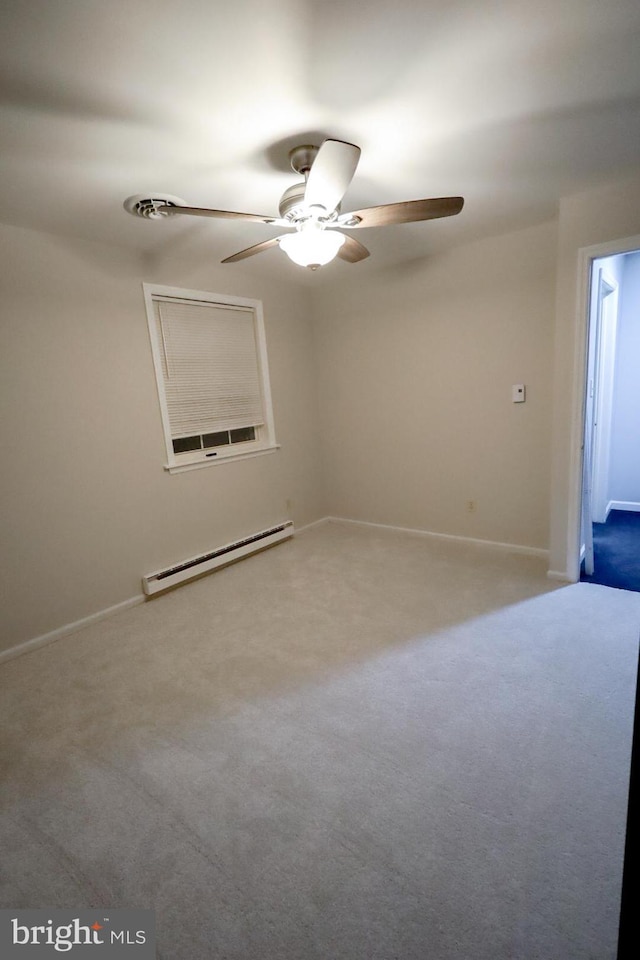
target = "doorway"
x: 610, y: 504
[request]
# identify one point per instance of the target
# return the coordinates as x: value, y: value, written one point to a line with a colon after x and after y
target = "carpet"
x: 357, y: 745
x: 616, y: 547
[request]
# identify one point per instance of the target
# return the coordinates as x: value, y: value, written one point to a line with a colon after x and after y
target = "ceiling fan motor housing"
x: 293, y: 208
x: 292, y: 202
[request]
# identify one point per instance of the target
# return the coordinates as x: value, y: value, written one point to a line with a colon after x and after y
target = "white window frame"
x: 265, y: 441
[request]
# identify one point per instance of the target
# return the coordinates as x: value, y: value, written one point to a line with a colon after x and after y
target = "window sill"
x: 220, y: 458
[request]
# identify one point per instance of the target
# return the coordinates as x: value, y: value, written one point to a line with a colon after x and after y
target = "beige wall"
x: 392, y: 403
x: 601, y: 217
x: 86, y: 505
x: 415, y: 373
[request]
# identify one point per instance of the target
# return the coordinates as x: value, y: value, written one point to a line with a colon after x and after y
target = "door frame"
x: 598, y: 399
x: 586, y: 257
x: 606, y: 319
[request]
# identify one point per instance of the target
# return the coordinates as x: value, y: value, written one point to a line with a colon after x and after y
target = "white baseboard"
x: 623, y: 505
x: 314, y: 523
x: 47, y: 638
x: 494, y: 544
x: 29, y: 645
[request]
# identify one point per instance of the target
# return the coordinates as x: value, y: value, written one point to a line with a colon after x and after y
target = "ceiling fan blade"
x: 408, y: 211
x: 250, y: 251
x: 352, y: 250
x: 222, y: 214
x: 331, y: 173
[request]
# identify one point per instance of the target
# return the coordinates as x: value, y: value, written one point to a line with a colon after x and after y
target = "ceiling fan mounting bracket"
x: 302, y: 158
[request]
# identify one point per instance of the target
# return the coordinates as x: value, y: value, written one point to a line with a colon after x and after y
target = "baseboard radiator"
x: 188, y: 569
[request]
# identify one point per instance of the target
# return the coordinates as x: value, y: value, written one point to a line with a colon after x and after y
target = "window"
x: 210, y: 359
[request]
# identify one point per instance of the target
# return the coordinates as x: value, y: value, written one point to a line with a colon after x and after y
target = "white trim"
x: 30, y: 645
x: 225, y: 458
x: 607, y: 330
x: 630, y: 505
x: 505, y: 547
x: 579, y: 376
x: 493, y: 544
x: 314, y: 523
x: 266, y: 442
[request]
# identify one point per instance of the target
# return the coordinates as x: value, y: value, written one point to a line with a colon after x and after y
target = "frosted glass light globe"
x: 312, y: 246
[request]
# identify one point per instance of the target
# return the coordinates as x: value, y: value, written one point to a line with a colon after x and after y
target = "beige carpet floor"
x: 359, y: 745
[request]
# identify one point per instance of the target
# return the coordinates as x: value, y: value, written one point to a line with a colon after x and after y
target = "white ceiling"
x: 511, y: 104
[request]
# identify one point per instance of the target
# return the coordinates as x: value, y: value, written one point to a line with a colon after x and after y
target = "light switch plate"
x: 518, y: 393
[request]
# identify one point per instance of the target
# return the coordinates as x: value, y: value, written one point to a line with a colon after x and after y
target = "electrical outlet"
x: 471, y: 506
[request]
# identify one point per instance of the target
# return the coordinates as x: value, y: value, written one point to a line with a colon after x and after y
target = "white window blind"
x: 209, y: 365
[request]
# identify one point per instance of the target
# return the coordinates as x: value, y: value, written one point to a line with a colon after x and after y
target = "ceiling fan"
x: 312, y: 208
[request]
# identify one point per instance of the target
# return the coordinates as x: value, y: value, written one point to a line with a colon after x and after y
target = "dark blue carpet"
x: 616, y: 549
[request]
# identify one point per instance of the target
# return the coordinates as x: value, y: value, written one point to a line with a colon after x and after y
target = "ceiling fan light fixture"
x: 312, y: 246
x: 313, y: 206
